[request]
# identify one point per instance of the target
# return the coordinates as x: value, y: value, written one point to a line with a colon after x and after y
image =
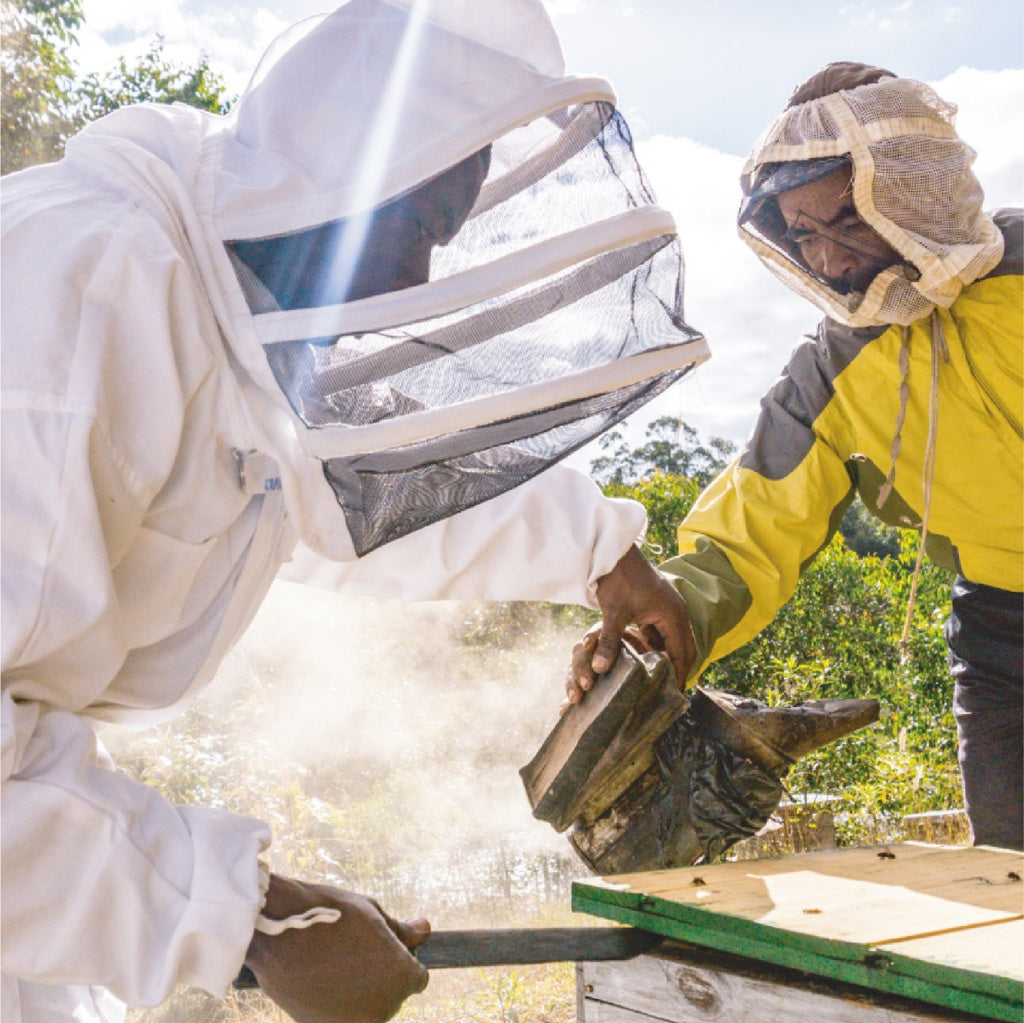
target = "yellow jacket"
x: 825, y: 433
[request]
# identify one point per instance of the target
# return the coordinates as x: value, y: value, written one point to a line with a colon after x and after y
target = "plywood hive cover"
x: 941, y: 924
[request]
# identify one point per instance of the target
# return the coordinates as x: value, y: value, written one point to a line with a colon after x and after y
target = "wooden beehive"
x: 939, y: 925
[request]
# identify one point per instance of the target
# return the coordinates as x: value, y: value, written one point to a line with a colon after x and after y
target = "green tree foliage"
x: 838, y: 636
x: 37, y: 76
x: 43, y: 101
x: 671, y: 447
x: 668, y: 499
x: 645, y: 474
x: 866, y: 534
x: 153, y: 80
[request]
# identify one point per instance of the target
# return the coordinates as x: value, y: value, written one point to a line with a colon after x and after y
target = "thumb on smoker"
x: 609, y: 639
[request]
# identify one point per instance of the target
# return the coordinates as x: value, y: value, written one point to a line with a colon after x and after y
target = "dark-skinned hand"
x: 640, y: 605
x: 357, y: 970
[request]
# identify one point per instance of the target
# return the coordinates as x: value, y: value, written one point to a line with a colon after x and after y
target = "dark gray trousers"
x: 985, y: 632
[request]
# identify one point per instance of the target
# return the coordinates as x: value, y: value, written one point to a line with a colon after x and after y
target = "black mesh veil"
x: 570, y: 173
x: 388, y: 495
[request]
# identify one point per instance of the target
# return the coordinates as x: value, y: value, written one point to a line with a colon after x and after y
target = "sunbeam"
x: 349, y: 243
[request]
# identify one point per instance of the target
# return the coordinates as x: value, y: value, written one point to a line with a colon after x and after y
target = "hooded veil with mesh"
x: 912, y: 183
x: 544, y: 306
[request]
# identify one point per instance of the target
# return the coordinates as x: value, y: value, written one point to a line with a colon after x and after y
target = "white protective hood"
x: 402, y: 91
x: 554, y: 311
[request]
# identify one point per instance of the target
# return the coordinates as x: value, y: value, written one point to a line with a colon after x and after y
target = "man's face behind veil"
x: 403, y: 233
x: 827, y: 234
x: 388, y: 250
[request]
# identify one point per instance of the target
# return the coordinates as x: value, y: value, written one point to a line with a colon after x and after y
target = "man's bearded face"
x: 825, y: 231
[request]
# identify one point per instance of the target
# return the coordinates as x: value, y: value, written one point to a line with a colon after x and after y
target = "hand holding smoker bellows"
x: 647, y: 777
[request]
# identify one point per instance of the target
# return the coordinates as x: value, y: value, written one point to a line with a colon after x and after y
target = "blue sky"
x: 697, y: 81
x: 712, y: 70
x: 718, y: 70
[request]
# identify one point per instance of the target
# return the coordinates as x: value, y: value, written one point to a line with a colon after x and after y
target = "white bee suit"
x: 158, y: 471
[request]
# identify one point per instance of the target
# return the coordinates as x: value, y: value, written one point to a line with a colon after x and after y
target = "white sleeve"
x: 550, y: 539
x: 106, y: 883
x: 103, y: 881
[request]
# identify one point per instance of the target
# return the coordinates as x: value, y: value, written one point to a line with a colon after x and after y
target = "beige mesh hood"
x: 912, y: 183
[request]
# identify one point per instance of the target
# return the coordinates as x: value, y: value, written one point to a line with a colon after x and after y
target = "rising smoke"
x: 400, y: 728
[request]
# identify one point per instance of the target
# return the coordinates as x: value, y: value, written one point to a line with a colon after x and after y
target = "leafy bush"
x: 667, y: 499
x: 838, y: 637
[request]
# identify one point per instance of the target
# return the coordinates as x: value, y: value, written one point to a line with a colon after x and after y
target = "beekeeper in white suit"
x: 369, y: 309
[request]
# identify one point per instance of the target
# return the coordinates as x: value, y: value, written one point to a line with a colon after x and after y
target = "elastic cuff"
x: 298, y: 921
x: 263, y: 880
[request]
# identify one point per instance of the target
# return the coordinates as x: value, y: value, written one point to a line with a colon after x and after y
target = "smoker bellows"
x: 647, y: 778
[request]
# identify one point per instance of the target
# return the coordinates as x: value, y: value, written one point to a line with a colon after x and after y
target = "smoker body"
x: 644, y: 777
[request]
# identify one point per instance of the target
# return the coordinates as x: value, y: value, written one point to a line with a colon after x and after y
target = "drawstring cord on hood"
x: 939, y: 351
x: 897, y: 438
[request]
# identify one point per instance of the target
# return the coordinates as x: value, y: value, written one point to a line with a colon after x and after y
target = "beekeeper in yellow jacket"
x: 861, y: 198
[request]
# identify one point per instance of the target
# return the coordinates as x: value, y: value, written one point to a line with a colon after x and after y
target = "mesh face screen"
x: 362, y: 380
x: 606, y: 309
x: 563, y: 171
x: 389, y: 495
x: 924, y: 198
x: 595, y: 182
x: 570, y: 170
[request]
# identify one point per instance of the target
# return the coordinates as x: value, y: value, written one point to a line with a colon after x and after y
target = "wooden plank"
x: 680, y: 988
x: 719, y: 930
x: 906, y: 863
x: 866, y: 968
x: 868, y: 896
x: 602, y: 744
x: 631, y: 751
x: 845, y: 909
x: 832, y: 910
x: 994, y: 949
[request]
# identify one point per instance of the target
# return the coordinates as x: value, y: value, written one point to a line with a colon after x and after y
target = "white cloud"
x: 881, y: 19
x: 752, y: 323
x: 991, y: 120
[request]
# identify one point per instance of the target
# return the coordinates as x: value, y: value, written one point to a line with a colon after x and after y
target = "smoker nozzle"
x: 774, y: 738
